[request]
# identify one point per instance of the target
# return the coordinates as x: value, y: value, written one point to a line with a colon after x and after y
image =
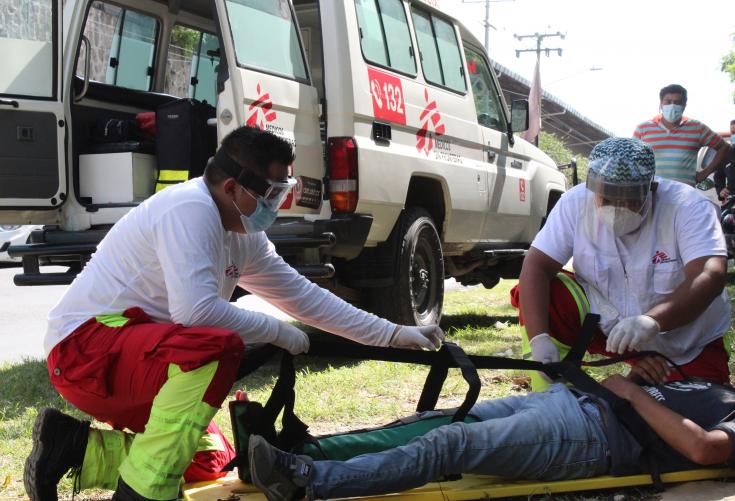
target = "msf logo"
x: 430, y: 126
x: 660, y: 257
x: 261, y: 110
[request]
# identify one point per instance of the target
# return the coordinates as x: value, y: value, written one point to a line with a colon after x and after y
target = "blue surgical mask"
x: 260, y: 220
x: 672, y: 112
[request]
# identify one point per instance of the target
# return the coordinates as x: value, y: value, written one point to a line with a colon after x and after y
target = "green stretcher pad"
x: 469, y: 487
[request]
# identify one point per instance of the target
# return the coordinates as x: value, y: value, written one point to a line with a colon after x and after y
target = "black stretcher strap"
x: 294, y: 431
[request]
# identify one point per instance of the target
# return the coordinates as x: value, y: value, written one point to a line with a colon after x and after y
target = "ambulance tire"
x: 417, y: 295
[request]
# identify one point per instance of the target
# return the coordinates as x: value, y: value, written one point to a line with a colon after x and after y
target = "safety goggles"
x: 275, y: 193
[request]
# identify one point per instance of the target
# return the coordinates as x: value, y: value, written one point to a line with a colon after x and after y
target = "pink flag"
x: 534, y: 107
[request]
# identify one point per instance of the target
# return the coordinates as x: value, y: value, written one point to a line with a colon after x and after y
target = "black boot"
x: 126, y: 493
x: 59, y: 442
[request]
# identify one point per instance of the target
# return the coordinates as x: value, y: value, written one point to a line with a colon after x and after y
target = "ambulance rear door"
x: 32, y: 122
x: 268, y: 85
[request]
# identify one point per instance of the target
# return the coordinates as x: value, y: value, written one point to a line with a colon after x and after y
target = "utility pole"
x: 486, y: 23
x: 535, y: 95
x: 539, y: 39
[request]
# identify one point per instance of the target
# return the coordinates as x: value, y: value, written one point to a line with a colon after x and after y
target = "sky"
x: 640, y: 46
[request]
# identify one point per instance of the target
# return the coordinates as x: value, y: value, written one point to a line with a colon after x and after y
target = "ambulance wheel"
x: 417, y: 295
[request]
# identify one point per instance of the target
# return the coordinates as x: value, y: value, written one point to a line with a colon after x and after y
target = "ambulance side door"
x: 32, y: 122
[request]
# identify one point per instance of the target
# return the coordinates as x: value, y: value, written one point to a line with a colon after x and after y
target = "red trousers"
x: 114, y: 373
x: 565, y: 326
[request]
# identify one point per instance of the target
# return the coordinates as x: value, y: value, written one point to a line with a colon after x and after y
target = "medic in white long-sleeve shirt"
x: 149, y: 319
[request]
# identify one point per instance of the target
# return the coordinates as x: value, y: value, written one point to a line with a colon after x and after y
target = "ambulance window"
x: 123, y: 45
x: 191, y: 64
x: 265, y: 37
x: 27, y: 34
x: 384, y: 35
x: 487, y: 101
x: 441, y: 59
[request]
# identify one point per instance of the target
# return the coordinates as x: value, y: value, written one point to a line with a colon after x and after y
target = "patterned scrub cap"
x: 623, y: 160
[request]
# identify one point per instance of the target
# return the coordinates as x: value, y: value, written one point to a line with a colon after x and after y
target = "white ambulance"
x: 408, y: 163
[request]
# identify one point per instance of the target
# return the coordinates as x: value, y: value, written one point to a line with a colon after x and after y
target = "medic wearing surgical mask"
x: 649, y: 258
x: 267, y: 194
x: 147, y: 340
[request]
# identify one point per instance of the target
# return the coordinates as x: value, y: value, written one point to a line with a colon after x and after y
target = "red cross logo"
x: 425, y: 137
x: 261, y: 110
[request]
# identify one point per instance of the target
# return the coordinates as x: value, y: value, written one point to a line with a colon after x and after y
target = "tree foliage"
x: 554, y: 147
x: 728, y: 65
x: 184, y: 37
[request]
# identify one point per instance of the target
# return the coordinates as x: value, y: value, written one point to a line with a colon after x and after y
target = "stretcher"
x: 253, y: 418
x: 468, y: 487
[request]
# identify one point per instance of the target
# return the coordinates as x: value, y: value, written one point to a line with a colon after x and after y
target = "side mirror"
x: 519, y: 115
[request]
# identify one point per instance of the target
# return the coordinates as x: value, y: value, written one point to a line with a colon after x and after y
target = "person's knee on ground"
x: 180, y: 414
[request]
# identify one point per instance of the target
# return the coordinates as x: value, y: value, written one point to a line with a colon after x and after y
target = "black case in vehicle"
x: 184, y: 141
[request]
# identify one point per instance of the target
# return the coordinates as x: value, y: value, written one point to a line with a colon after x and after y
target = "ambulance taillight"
x: 342, y: 174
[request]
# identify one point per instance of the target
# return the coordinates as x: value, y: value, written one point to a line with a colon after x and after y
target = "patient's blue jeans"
x: 551, y: 435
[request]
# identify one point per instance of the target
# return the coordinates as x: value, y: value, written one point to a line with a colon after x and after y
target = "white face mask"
x: 621, y: 220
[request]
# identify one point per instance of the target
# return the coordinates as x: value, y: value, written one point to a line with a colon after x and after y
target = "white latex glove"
x: 543, y: 349
x: 631, y: 332
x: 416, y: 338
x: 290, y: 338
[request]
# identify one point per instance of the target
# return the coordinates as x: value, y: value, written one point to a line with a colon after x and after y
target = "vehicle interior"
x: 137, y: 57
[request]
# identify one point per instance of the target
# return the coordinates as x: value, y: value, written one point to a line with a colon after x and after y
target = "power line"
x: 539, y: 39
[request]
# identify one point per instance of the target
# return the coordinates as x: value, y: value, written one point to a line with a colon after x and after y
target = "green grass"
x: 481, y: 321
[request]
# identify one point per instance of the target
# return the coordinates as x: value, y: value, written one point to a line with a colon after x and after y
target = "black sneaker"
x: 281, y: 476
x: 59, y: 442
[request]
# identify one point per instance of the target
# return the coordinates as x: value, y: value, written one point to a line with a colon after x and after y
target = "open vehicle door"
x: 270, y: 87
x: 32, y: 123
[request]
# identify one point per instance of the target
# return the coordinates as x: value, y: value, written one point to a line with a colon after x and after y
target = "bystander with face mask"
x: 676, y: 139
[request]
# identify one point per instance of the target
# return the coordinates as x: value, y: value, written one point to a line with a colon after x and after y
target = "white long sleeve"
x: 270, y: 277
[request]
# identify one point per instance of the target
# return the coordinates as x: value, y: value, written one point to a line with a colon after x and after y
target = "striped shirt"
x: 676, y: 149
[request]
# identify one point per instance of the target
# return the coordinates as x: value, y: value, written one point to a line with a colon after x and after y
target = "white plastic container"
x: 111, y: 178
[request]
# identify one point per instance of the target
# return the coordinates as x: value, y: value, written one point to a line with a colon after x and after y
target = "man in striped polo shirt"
x: 676, y: 139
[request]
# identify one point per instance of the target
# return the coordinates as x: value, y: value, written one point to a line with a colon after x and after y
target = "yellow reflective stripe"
x: 169, y: 177
x: 583, y: 304
x: 112, y: 320
x: 173, y: 175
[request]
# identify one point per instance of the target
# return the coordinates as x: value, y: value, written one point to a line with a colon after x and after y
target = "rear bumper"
x: 342, y: 236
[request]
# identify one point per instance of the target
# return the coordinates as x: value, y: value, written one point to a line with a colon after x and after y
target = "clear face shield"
x: 276, y: 193
x: 620, y: 200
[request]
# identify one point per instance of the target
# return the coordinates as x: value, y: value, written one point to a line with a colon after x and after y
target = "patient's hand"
x: 652, y: 370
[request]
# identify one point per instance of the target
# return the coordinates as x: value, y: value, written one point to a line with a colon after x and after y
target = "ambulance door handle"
x: 491, y: 155
x: 9, y: 102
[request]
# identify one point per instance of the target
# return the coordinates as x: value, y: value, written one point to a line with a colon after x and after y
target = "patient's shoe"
x: 59, y: 442
x: 280, y: 475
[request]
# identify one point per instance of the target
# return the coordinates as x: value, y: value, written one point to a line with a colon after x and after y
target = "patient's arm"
x: 684, y: 435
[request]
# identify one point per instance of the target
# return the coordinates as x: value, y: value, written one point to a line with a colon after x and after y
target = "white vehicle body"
x: 408, y: 167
